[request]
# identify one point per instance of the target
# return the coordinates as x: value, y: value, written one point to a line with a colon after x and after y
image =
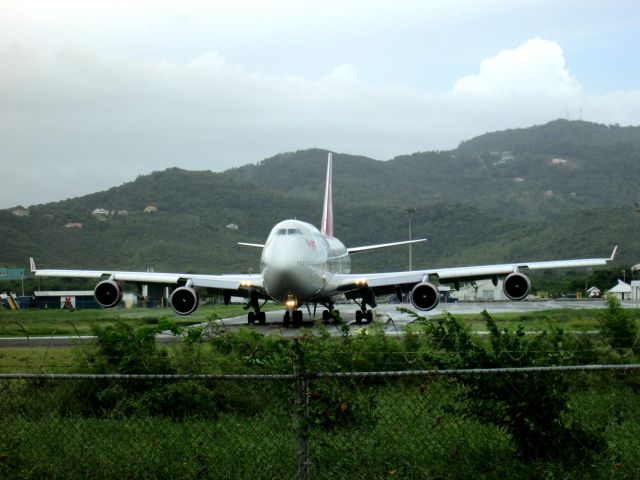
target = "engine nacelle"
x: 516, y: 286
x: 184, y: 300
x: 425, y: 296
x: 108, y: 293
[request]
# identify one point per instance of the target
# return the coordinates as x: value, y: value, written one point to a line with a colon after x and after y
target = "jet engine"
x: 425, y: 296
x: 516, y: 286
x: 184, y: 300
x: 108, y: 293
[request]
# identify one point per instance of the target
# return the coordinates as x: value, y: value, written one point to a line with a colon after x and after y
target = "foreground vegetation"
x: 520, y: 425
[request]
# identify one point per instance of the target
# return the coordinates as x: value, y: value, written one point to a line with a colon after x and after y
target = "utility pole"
x: 409, y: 213
x: 586, y: 279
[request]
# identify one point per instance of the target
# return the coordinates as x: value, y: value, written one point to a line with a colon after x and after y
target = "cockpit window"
x: 289, y: 231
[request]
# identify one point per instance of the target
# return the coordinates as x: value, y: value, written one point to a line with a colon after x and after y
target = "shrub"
x: 618, y: 328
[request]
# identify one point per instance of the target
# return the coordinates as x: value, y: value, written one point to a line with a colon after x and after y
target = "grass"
x: 570, y: 320
x: 80, y: 322
x: 39, y: 359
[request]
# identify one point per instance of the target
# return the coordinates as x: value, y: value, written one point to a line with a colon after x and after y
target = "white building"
x: 21, y: 212
x: 594, y: 292
x: 481, y: 291
x: 622, y: 291
x: 100, y: 212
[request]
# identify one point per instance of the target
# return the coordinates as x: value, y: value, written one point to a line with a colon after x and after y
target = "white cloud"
x: 537, y: 67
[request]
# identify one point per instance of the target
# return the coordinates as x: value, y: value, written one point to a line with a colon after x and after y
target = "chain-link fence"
x: 560, y: 422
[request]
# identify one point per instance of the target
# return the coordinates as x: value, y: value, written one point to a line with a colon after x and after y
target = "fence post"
x: 302, y: 402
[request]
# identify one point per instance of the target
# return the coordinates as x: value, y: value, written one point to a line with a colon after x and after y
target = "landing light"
x: 291, y: 302
x: 361, y: 282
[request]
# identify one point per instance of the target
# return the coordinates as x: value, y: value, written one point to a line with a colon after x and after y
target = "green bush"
x: 618, y: 328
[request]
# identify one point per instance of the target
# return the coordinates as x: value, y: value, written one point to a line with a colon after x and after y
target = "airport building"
x: 481, y: 291
x: 65, y: 299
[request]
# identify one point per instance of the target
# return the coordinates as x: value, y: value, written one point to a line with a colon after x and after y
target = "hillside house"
x: 73, y: 225
x: 98, y: 212
x: 150, y: 209
x: 21, y: 212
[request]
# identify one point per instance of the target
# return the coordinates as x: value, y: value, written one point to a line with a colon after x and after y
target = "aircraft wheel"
x: 297, y: 318
x: 251, y: 318
x: 262, y: 318
x: 287, y: 319
x: 358, y: 316
x: 326, y: 315
x: 369, y: 316
x: 336, y: 315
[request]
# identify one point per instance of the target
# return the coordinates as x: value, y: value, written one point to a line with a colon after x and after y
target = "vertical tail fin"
x: 327, y: 211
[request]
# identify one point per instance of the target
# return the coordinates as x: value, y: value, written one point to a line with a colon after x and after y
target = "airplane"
x: 301, y: 265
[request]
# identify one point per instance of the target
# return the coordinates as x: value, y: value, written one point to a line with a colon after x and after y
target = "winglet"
x: 613, y: 254
x: 32, y: 265
x: 327, y: 211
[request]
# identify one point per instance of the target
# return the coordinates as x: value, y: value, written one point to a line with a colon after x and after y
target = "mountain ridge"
x: 559, y: 189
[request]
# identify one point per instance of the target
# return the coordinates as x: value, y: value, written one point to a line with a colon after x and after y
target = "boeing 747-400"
x: 301, y: 265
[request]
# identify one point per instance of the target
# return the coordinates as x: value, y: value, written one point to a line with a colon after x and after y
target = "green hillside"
x: 563, y: 189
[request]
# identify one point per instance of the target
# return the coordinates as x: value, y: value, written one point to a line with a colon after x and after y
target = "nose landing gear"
x: 294, y: 316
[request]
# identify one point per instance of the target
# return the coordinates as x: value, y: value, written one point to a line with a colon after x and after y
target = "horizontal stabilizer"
x: 258, y: 245
x: 367, y: 248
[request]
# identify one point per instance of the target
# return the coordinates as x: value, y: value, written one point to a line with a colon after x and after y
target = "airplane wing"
x: 221, y: 282
x: 382, y: 283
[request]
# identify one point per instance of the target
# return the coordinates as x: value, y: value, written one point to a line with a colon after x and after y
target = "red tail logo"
x: 327, y: 211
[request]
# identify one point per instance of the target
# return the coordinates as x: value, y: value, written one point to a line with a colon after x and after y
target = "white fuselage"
x: 299, y: 262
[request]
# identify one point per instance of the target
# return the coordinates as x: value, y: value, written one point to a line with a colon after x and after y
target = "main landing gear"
x: 330, y: 314
x: 364, y: 314
x: 253, y: 317
x: 257, y: 315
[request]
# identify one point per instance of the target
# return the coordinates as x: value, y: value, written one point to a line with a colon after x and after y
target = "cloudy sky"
x: 93, y: 93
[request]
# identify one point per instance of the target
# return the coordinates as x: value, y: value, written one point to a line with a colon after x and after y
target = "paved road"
x: 386, y: 314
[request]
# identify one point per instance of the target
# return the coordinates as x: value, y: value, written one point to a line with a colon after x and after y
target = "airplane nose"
x: 281, y: 283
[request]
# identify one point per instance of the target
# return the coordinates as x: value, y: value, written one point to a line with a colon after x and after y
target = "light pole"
x: 586, y: 280
x: 409, y: 213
